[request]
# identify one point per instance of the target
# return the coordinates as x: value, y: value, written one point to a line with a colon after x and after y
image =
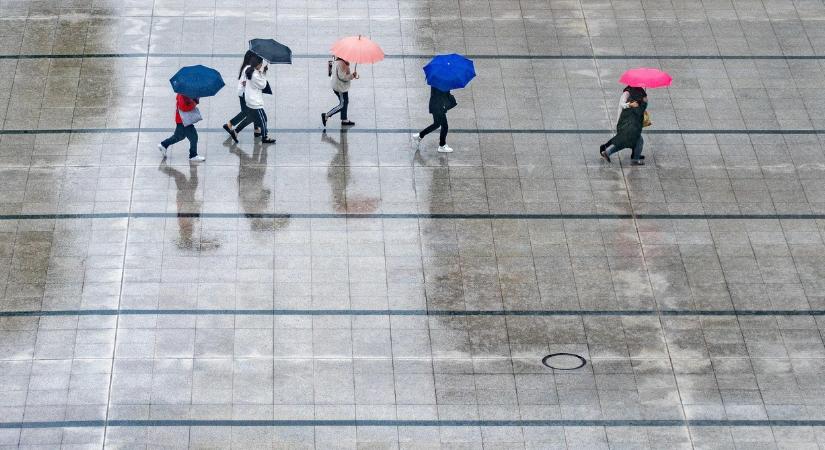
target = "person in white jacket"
x: 340, y: 79
x: 254, y: 97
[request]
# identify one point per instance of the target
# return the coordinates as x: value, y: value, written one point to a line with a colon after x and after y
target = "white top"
x: 253, y: 91
x: 241, y: 82
x: 623, y: 104
x: 341, y: 77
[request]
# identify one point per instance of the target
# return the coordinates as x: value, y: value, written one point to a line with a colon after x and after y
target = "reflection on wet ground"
x: 341, y: 289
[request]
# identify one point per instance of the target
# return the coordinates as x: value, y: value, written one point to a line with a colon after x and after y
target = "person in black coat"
x: 628, y: 132
x: 440, y: 103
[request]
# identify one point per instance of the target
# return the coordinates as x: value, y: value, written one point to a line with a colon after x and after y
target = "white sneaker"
x: 162, y: 150
x: 416, y: 140
x: 445, y: 149
x: 197, y: 158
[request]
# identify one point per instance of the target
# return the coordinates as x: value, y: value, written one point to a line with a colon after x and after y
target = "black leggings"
x: 343, y: 102
x: 439, y: 120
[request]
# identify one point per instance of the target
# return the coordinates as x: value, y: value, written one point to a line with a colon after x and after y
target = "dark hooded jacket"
x: 440, y: 101
x: 629, y: 127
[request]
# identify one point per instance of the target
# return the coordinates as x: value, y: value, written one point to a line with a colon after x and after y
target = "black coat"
x: 440, y: 101
x: 629, y: 127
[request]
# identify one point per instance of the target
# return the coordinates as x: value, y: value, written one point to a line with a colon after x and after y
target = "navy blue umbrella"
x: 197, y: 81
x: 271, y: 50
x: 448, y: 72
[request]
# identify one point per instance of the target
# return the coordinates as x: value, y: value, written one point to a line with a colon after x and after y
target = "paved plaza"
x: 339, y: 289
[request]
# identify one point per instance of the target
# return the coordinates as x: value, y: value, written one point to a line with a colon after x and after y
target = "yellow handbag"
x: 646, y: 120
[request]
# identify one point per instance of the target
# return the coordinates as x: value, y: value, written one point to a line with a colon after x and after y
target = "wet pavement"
x: 339, y: 289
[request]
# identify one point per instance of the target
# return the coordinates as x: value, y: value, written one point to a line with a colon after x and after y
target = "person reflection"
x: 188, y: 208
x: 339, y: 176
x: 254, y: 197
x: 339, y: 171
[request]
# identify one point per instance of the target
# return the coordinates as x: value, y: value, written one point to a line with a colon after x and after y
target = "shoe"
x: 197, y: 158
x: 604, y: 154
x: 637, y: 162
x: 347, y: 123
x: 324, y: 119
x: 445, y: 149
x: 268, y: 140
x: 642, y: 157
x: 416, y: 140
x: 257, y: 135
x: 232, y: 133
x: 162, y: 150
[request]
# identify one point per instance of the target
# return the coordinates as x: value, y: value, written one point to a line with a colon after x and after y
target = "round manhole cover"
x: 564, y: 361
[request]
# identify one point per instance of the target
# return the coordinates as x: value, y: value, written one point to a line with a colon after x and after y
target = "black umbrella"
x: 271, y: 50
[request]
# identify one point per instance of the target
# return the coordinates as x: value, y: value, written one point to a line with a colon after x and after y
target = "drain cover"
x: 564, y: 361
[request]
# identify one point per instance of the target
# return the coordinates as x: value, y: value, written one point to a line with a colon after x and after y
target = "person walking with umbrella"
x: 190, y: 83
x: 340, y: 79
x: 444, y: 73
x: 633, y: 116
x: 241, y: 120
x: 353, y: 49
x: 256, y: 82
x: 259, y: 50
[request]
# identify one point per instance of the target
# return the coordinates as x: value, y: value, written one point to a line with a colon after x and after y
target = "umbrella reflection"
x: 339, y: 176
x: 188, y: 208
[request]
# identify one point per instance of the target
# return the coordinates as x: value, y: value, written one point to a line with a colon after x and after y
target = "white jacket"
x: 341, y: 77
x: 253, y: 91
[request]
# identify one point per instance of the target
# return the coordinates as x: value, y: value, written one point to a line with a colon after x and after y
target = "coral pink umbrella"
x: 645, y: 77
x: 357, y: 49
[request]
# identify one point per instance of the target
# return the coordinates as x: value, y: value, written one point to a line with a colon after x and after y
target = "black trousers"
x: 242, y: 119
x: 439, y: 120
x: 343, y: 103
x: 181, y: 133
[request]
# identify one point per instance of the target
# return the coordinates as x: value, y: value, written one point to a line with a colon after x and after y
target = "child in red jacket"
x: 182, y: 132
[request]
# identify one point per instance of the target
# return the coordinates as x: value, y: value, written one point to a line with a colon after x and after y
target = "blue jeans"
x: 637, y: 150
x: 181, y: 133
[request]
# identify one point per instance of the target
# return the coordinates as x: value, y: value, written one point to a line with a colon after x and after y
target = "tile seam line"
x: 412, y: 216
x: 414, y: 423
x: 410, y: 130
x: 419, y: 56
x: 411, y: 312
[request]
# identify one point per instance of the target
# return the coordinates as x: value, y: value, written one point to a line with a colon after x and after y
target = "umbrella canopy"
x: 357, y: 49
x: 645, y: 77
x: 447, y: 72
x: 271, y: 50
x: 197, y: 81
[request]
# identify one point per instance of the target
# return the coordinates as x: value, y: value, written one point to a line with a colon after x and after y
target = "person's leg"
x: 176, y: 137
x: 192, y: 135
x: 344, y: 105
x: 337, y: 108
x: 242, y: 119
x: 637, y: 150
x: 611, y: 149
x: 430, y: 128
x: 233, y: 122
x: 442, y: 137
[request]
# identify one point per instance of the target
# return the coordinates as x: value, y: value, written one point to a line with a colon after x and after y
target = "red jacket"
x: 185, y: 104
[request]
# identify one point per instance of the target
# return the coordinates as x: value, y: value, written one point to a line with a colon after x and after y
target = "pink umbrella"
x: 358, y: 49
x: 645, y: 77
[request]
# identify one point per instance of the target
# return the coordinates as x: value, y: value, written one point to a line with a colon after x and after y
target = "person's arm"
x: 258, y: 80
x: 623, y: 103
x: 185, y: 103
x: 343, y: 74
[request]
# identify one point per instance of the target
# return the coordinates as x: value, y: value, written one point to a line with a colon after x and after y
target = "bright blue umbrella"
x: 197, y: 81
x: 448, y: 72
